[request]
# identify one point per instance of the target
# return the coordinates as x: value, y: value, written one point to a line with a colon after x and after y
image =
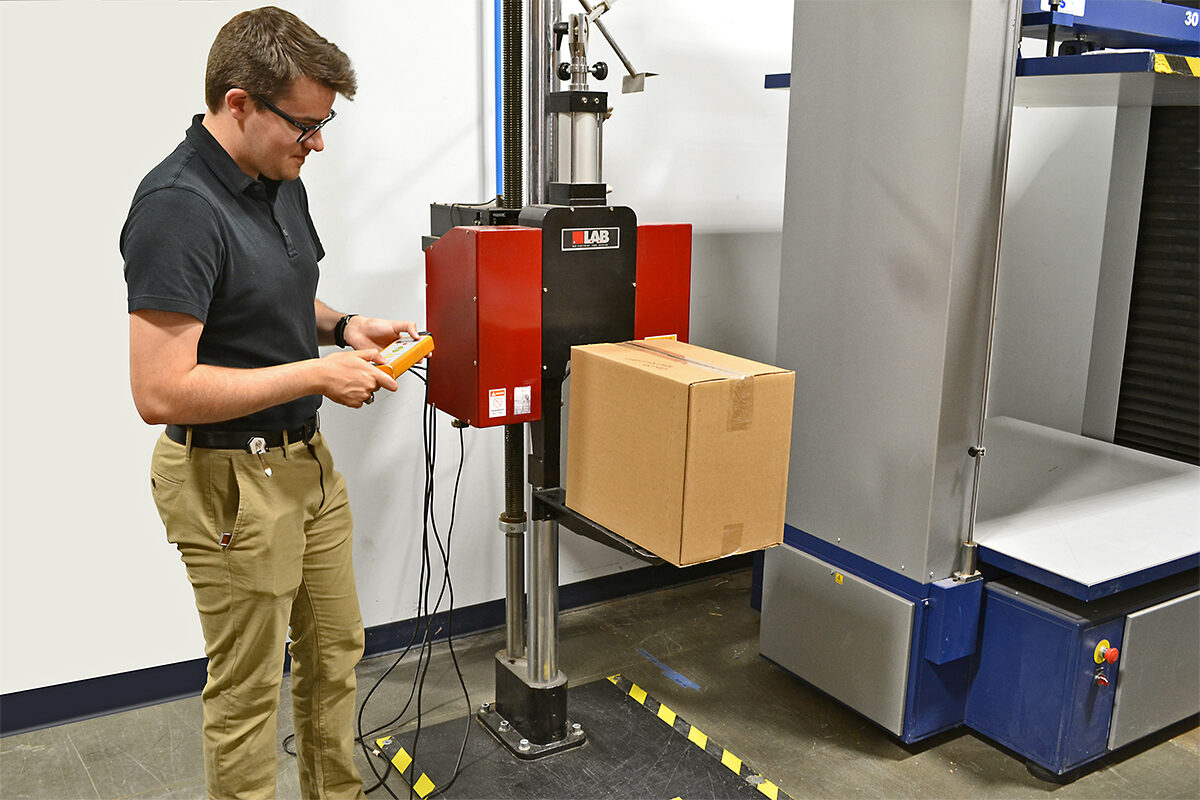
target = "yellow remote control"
x: 403, y: 353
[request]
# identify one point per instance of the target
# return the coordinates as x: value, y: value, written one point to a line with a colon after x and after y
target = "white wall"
x: 94, y: 94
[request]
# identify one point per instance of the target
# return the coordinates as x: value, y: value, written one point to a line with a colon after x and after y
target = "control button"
x: 1101, y: 678
x: 1105, y: 652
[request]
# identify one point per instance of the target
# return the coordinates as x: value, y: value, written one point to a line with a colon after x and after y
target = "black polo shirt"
x: 238, y: 254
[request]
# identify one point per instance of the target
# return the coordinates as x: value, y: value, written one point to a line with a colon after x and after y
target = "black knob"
x: 564, y: 71
x: 600, y: 70
x: 561, y: 29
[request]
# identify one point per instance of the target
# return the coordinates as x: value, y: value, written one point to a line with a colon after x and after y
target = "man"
x: 221, y: 265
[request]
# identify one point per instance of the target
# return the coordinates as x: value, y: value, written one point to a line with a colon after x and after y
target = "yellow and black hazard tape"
x: 699, y: 738
x: 401, y: 760
x: 1168, y: 64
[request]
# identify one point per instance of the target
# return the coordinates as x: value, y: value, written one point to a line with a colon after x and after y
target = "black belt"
x: 240, y: 440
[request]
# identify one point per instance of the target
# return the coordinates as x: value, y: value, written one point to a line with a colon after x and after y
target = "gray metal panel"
x: 1158, y: 682
x: 849, y: 639
x: 1063, y: 292
x: 1121, y: 220
x: 891, y: 216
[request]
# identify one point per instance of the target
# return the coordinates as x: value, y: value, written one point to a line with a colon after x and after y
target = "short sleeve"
x: 173, y: 251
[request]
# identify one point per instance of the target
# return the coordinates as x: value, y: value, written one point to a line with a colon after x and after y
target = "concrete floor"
x: 806, y: 743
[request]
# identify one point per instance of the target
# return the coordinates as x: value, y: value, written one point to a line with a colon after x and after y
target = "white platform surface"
x: 1080, y: 508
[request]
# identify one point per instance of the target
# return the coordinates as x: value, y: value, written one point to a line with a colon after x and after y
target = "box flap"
x: 714, y: 361
x: 679, y: 361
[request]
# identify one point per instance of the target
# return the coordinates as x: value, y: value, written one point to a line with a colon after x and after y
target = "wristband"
x: 339, y: 330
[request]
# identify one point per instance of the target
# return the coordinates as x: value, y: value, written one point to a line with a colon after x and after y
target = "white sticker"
x: 522, y: 400
x: 1072, y: 7
x: 497, y: 403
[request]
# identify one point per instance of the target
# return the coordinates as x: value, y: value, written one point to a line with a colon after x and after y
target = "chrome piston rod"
x: 543, y: 602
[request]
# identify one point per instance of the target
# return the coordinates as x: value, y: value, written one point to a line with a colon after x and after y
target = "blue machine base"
x: 1007, y: 657
x: 1034, y: 686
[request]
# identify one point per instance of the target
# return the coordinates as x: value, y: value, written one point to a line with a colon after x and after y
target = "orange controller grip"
x: 403, y: 353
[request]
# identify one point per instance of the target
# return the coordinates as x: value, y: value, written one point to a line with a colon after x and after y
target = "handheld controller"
x: 404, y: 352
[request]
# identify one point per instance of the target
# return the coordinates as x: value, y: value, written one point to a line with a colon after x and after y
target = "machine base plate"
x: 630, y: 752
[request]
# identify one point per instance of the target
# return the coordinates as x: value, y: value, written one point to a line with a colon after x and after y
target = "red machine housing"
x: 664, y: 280
x: 484, y: 308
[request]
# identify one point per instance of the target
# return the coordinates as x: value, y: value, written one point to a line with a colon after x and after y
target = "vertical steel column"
x: 970, y: 550
x: 543, y: 602
x: 543, y: 551
x: 541, y: 73
x: 512, y: 521
x: 513, y: 524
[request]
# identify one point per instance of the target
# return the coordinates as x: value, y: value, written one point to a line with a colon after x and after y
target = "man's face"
x: 272, y: 140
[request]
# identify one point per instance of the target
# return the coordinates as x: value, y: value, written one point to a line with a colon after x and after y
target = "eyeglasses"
x: 306, y: 131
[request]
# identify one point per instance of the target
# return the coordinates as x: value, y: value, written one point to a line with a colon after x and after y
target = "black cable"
x: 369, y: 751
x: 426, y: 615
x: 424, y: 618
x: 422, y: 592
x: 450, y: 625
x: 447, y: 590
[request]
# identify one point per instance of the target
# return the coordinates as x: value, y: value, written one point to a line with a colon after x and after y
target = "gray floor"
x: 807, y: 744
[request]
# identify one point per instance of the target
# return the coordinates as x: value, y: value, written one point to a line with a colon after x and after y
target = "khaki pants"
x: 263, y: 553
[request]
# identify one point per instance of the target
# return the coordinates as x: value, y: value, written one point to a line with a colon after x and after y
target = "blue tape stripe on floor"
x: 670, y: 673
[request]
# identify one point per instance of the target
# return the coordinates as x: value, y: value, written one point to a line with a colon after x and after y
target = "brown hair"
x: 264, y: 50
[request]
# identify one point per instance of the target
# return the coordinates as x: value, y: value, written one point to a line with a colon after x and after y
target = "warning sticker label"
x: 497, y: 402
x: 522, y: 400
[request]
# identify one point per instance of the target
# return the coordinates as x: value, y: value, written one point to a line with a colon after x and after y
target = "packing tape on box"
x: 741, y: 388
x: 731, y: 538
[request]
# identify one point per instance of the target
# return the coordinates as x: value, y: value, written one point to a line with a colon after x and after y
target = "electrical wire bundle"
x: 426, y: 624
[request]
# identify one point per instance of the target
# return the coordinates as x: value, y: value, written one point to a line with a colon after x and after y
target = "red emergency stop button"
x: 1105, y: 652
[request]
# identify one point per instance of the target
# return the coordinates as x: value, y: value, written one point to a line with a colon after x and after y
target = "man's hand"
x: 350, y: 379
x: 365, y: 333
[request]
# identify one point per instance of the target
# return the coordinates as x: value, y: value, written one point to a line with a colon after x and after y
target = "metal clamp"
x: 512, y: 528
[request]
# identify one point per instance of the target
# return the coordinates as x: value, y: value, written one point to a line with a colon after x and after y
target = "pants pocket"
x: 165, y: 490
x: 266, y: 550
x: 227, y: 501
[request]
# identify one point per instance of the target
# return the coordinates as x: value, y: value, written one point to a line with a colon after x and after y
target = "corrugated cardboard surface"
x: 680, y: 449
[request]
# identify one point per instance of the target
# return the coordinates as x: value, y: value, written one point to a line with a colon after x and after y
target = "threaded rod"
x: 512, y: 130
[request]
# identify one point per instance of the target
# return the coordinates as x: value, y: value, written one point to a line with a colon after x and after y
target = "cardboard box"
x: 680, y: 449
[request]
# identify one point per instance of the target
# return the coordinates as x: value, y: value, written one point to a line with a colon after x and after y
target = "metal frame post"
x: 529, y: 716
x: 543, y: 602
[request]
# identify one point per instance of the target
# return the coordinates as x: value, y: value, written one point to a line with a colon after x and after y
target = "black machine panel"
x: 589, y: 267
